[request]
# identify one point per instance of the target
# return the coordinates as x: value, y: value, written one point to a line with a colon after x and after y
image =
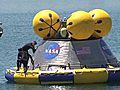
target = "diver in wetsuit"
x: 23, y: 55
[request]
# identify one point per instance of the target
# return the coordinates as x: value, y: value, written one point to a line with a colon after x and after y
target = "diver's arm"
x: 33, y: 49
x: 32, y: 61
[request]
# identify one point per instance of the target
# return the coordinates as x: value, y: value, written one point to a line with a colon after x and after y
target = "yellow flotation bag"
x: 46, y: 23
x: 103, y: 22
x: 80, y: 25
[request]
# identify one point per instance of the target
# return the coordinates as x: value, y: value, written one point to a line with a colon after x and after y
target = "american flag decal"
x: 83, y: 50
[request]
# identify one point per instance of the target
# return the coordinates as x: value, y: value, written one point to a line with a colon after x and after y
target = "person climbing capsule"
x: 23, y: 55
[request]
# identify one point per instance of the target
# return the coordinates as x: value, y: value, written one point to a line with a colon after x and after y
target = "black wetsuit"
x: 23, y: 56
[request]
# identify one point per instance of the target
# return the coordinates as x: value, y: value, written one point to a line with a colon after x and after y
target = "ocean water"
x: 17, y: 25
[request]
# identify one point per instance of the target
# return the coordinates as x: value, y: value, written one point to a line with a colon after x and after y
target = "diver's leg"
x: 18, y: 65
x: 32, y: 61
x: 25, y: 66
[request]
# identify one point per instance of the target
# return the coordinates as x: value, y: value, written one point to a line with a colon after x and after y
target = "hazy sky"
x: 15, y: 6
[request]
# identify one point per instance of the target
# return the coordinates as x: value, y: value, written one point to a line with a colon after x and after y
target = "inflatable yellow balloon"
x: 80, y: 25
x: 77, y: 12
x: 103, y: 22
x: 46, y: 23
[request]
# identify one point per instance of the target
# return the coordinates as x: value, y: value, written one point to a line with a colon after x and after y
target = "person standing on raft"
x: 23, y: 55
